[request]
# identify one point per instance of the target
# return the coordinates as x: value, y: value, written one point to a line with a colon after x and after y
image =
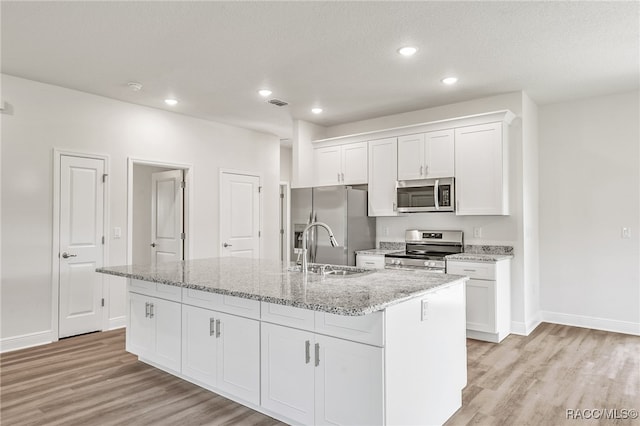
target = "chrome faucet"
x: 332, y: 240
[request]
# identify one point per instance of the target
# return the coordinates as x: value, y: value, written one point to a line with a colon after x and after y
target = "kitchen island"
x: 377, y: 347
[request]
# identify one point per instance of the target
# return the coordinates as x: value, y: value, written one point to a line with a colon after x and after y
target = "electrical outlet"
x: 626, y: 233
x: 386, y: 231
x: 477, y: 232
x: 425, y: 310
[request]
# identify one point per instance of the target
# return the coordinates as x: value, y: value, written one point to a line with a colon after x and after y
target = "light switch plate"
x: 425, y: 310
x: 477, y: 232
x: 117, y: 233
x: 626, y: 233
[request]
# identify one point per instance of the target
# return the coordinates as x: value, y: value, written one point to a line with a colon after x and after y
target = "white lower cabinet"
x: 315, y: 379
x: 488, y: 298
x: 287, y: 372
x: 222, y: 351
x: 348, y: 383
x: 154, y: 331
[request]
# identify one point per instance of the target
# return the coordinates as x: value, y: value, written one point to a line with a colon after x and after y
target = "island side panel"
x: 426, y: 357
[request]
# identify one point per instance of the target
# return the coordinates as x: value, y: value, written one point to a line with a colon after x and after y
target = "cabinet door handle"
x: 338, y: 177
x: 317, y: 354
x: 211, y: 326
x: 342, y: 176
x: 395, y: 207
x: 146, y: 310
x: 217, y: 328
x: 307, y: 352
x: 151, y: 308
x: 421, y: 167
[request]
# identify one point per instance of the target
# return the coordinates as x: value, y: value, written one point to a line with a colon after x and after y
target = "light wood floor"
x: 91, y: 380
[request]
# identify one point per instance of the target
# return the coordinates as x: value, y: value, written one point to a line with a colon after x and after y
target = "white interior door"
x: 167, y: 211
x: 240, y: 215
x: 81, y: 246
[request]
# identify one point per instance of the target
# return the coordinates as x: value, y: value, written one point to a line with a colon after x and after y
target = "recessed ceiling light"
x: 407, y: 51
x: 316, y: 110
x: 264, y: 92
x: 450, y: 80
x: 171, y: 102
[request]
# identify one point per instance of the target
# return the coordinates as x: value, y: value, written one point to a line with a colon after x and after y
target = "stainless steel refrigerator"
x: 344, y: 209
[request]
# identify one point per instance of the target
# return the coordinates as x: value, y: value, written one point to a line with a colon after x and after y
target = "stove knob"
x: 399, y: 262
x: 432, y: 263
x: 427, y: 263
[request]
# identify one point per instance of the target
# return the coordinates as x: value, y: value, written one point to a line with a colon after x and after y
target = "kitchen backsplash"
x: 475, y: 249
x: 482, y: 249
x: 388, y: 245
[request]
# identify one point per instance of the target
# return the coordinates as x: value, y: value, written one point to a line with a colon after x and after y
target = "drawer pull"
x: 469, y: 270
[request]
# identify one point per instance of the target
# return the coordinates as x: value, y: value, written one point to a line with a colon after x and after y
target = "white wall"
x: 45, y: 116
x: 141, y: 235
x: 589, y: 190
x: 285, y: 163
x: 302, y: 152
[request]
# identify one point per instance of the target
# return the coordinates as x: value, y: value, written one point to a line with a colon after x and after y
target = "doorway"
x: 158, y: 212
x: 240, y: 213
x: 80, y: 203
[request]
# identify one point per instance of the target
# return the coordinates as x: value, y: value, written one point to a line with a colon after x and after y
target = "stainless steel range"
x: 426, y: 250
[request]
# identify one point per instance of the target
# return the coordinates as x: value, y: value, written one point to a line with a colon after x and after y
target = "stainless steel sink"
x: 334, y: 270
x: 346, y: 272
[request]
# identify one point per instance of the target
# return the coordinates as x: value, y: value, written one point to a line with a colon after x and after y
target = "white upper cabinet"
x: 439, y: 153
x: 383, y: 172
x: 481, y: 170
x: 341, y: 164
x: 426, y: 155
x: 411, y: 157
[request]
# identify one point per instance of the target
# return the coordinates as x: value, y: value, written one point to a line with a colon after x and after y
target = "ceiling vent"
x: 277, y: 102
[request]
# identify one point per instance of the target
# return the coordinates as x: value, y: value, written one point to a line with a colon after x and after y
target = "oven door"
x: 425, y: 195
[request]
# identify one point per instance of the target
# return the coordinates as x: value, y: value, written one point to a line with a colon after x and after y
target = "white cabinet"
x: 315, y: 379
x: 481, y: 170
x: 348, y: 382
x: 426, y: 155
x: 383, y: 173
x: 154, y: 330
x: 370, y: 261
x: 222, y: 351
x: 287, y: 371
x: 488, y: 298
x: 341, y: 164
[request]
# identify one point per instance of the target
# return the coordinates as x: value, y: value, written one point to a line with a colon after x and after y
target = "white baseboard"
x: 26, y: 341
x: 626, y: 327
x: 118, y: 322
x: 525, y: 328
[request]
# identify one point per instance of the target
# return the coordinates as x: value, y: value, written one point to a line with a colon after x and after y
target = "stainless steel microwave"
x: 425, y: 195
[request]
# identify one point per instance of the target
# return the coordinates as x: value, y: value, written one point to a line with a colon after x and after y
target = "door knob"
x: 226, y: 245
x: 153, y: 244
x: 66, y: 255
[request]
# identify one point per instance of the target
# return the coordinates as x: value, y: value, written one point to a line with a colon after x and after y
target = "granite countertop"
x: 478, y: 257
x: 271, y: 281
x: 375, y: 251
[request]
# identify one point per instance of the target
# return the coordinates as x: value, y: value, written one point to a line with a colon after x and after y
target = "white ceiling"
x: 214, y: 56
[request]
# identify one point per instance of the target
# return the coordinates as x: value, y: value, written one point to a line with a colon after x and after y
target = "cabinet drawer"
x: 476, y: 270
x: 221, y: 302
x: 370, y: 261
x: 287, y: 315
x: 163, y: 291
x: 365, y: 329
